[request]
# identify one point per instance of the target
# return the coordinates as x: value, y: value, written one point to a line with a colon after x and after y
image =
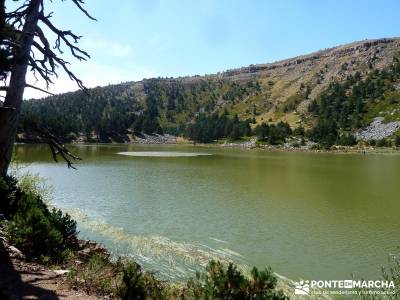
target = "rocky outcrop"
x: 377, y: 130
x: 155, y: 139
x: 252, y: 143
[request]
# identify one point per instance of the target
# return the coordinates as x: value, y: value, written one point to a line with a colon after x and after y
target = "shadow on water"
x: 12, y: 285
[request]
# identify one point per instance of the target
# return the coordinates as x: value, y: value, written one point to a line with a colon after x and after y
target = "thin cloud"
x: 101, y: 47
x: 92, y: 74
x: 119, y: 50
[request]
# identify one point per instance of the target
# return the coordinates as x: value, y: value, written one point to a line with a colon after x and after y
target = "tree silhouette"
x: 27, y: 48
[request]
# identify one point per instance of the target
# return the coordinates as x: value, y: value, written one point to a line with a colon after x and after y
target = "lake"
x: 307, y: 215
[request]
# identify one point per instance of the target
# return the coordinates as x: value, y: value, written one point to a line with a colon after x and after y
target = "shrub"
x: 274, y: 134
x: 299, y: 131
x: 225, y: 284
x: 296, y: 145
x: 94, y: 273
x: 325, y: 133
x: 137, y: 284
x: 316, y: 147
x: 33, y: 183
x: 397, y: 141
x: 391, y: 272
x: 347, y: 140
x: 70, y: 137
x: 133, y: 283
x: 8, y: 196
x: 383, y: 143
x: 262, y: 285
x: 32, y: 232
x: 65, y: 225
x: 33, y: 228
x: 220, y: 282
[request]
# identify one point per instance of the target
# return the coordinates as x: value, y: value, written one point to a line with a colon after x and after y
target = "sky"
x: 136, y: 39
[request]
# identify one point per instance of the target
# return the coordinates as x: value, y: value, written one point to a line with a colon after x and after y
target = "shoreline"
x: 242, y: 146
x: 55, y: 280
x: 289, y: 286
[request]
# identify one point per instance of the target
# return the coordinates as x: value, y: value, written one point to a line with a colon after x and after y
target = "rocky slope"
x: 378, y: 130
x: 270, y: 92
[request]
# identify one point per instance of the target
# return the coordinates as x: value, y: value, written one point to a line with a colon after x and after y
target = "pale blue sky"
x: 133, y: 39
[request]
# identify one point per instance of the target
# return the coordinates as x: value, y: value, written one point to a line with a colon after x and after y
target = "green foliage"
x: 387, y: 106
x: 33, y: 228
x: 397, y: 141
x: 299, y: 131
x: 137, y: 284
x: 95, y: 274
x: 50, y: 236
x: 392, y: 273
x: 383, y: 143
x: 274, y: 134
x: 34, y: 184
x: 64, y: 224
x: 344, y: 107
x: 206, y: 129
x: 326, y: 133
x: 293, y: 101
x: 347, y: 139
x: 133, y: 281
x: 151, y: 106
x: 389, y: 273
x: 220, y: 282
x: 32, y: 231
x: 313, y: 107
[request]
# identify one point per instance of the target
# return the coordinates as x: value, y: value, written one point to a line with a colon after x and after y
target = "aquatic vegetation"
x: 170, y: 259
x: 162, y: 154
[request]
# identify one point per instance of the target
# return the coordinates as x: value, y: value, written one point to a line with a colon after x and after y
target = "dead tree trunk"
x: 10, y: 112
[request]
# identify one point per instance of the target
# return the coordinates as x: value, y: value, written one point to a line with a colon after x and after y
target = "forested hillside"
x: 325, y: 96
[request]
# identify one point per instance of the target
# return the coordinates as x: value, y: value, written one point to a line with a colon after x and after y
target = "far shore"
x: 242, y: 146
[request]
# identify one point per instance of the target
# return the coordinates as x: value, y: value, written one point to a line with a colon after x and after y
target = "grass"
x: 388, y: 108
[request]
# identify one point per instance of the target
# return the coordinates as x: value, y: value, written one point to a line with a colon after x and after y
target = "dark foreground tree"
x: 26, y: 46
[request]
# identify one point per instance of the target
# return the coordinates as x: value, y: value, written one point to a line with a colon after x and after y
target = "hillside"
x: 287, y: 90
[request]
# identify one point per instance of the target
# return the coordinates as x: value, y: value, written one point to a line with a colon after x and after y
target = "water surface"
x: 308, y: 215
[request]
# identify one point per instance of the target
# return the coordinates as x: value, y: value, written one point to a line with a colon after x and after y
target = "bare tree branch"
x: 79, y: 4
x: 64, y: 35
x: 7, y: 108
x: 5, y: 88
x: 39, y: 89
x: 46, y: 67
x: 43, y: 72
x: 56, y: 146
x: 25, y: 42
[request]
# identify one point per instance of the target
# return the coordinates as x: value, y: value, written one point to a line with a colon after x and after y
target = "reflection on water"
x: 309, y: 215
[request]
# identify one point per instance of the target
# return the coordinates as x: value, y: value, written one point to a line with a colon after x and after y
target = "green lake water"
x: 307, y: 215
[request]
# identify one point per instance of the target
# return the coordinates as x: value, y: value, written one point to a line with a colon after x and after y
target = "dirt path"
x: 23, y: 280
